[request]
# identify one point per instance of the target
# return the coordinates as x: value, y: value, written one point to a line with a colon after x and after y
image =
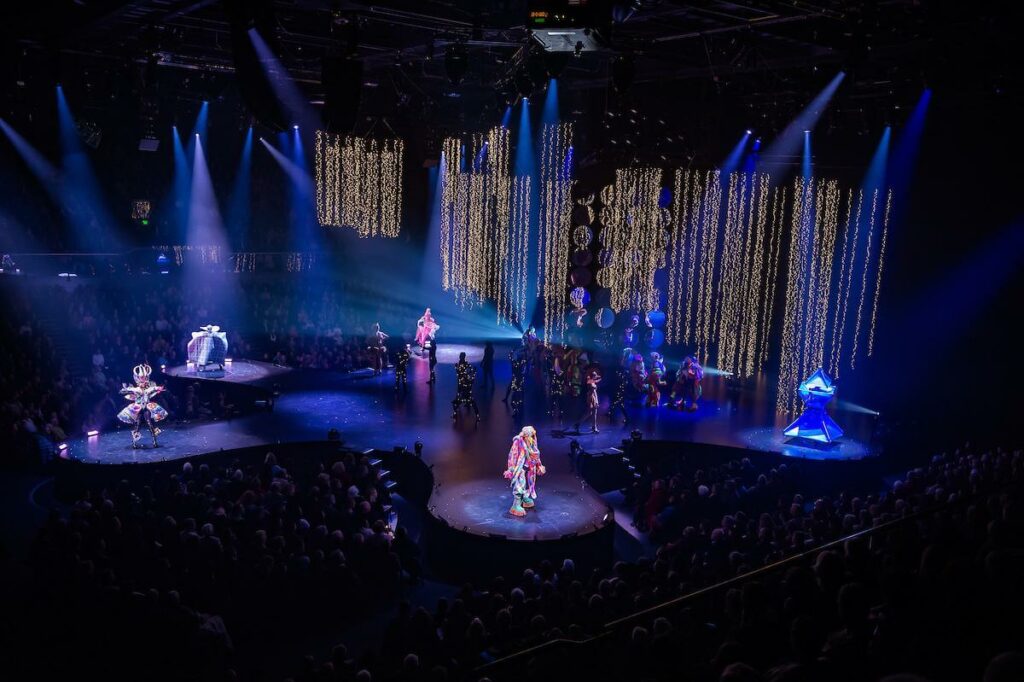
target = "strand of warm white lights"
x: 358, y: 184
x: 695, y: 234
x: 722, y: 322
x: 854, y: 241
x: 555, y: 225
x: 677, y: 297
x: 633, y: 227
x: 778, y: 212
x: 790, y: 361
x: 754, y: 274
x: 878, y: 276
x: 829, y: 226
x: 864, y: 278
x: 842, y: 286
x: 484, y: 234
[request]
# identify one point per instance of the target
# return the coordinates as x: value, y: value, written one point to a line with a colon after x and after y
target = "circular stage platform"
x: 565, y: 505
x: 235, y: 372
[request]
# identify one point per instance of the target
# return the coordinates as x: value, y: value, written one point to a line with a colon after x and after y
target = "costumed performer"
x: 141, y: 406
x: 524, y: 466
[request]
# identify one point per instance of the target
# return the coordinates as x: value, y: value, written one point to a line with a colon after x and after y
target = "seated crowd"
x: 302, y: 536
x: 50, y: 394
x: 213, y: 552
x: 852, y: 612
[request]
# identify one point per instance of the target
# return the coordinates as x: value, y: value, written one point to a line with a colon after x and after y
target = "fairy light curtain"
x: 358, y: 184
x: 739, y: 251
x: 634, y: 236
x: 485, y: 225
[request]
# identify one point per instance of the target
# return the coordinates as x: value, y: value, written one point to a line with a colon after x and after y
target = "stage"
x: 467, y: 458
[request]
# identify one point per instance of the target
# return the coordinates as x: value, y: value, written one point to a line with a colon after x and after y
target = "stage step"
x: 383, y: 473
x: 389, y: 485
x: 376, y: 462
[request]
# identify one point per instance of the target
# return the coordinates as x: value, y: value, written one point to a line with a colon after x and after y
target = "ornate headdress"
x: 141, y: 373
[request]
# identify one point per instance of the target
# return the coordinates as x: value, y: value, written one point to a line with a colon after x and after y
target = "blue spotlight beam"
x: 180, y: 191
x: 296, y: 105
x: 41, y: 168
x: 875, y: 177
x: 785, y: 147
x: 201, y: 121
x: 550, y: 113
x: 805, y: 167
x: 92, y: 222
x: 205, y: 227
x: 732, y: 161
x: 904, y: 156
x: 239, y: 212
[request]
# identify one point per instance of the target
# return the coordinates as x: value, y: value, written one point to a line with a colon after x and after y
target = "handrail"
x: 610, y: 627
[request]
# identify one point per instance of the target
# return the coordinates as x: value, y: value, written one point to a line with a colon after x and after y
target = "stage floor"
x: 468, y: 458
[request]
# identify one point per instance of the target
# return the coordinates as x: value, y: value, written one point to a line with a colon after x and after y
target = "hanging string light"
x: 555, y: 225
x: 633, y: 237
x: 848, y: 280
x: 485, y: 220
x: 358, y: 184
x: 864, y: 278
x: 878, y: 276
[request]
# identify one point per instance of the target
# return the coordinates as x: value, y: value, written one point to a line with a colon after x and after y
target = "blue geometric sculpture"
x: 814, y: 424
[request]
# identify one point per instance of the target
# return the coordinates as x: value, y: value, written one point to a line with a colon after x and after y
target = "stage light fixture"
x: 623, y: 71
x: 456, y: 63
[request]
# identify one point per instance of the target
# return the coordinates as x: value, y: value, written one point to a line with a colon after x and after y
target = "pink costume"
x: 426, y: 328
x: 524, y: 466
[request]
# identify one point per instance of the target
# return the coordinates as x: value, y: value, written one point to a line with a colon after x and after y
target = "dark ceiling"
x: 694, y: 59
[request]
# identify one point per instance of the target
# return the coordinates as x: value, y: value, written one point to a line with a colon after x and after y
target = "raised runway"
x: 468, y: 458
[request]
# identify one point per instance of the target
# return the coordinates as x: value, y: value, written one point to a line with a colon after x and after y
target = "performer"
x: 465, y: 375
x: 524, y: 466
x: 141, y: 406
x: 487, y: 365
x: 531, y: 344
x: 619, y: 397
x: 426, y: 330
x: 402, y: 368
x: 433, y: 364
x: 209, y: 346
x: 556, y: 388
x: 629, y: 334
x: 654, y: 381
x: 518, y: 384
x: 593, y: 403
x: 378, y: 349
x: 638, y: 373
x: 686, y: 390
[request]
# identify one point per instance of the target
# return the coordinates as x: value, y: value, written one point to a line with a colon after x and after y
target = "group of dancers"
x: 571, y: 379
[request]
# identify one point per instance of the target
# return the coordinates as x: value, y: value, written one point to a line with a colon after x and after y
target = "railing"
x: 568, y: 648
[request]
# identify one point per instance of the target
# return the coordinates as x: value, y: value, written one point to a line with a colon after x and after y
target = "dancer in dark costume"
x: 487, y: 364
x: 465, y: 375
x: 433, y: 364
x: 402, y: 368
